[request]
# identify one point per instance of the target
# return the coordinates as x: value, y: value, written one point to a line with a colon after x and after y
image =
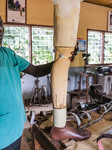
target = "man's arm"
x: 39, y: 71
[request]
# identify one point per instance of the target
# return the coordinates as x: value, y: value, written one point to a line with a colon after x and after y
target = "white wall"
x: 28, y: 85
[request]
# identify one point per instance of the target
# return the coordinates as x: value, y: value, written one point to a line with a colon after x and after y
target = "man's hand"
x: 39, y: 71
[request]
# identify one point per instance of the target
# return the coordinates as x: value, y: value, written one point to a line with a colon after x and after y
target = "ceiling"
x: 107, y: 3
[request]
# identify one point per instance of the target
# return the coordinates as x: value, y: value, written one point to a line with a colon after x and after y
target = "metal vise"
x: 97, y: 96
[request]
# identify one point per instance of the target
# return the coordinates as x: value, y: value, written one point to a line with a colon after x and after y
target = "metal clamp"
x: 83, y: 113
x: 32, y: 114
x: 75, y: 117
x: 103, y: 106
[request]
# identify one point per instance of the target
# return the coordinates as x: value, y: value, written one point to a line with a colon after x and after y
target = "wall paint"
x: 92, y: 17
x: 3, y: 10
x: 40, y: 12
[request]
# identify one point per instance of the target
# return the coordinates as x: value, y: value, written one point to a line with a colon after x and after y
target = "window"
x: 42, y: 45
x: 39, y: 46
x: 108, y: 48
x: 17, y: 38
x: 99, y: 47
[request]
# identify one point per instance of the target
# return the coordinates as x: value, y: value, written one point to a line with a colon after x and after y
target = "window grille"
x: 99, y: 47
x: 41, y: 43
x: 17, y: 38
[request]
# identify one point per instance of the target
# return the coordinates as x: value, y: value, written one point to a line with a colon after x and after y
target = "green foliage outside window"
x: 42, y: 45
x: 108, y: 48
x: 99, y: 47
x: 17, y: 38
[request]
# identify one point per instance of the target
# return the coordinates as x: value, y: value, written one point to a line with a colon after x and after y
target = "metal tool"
x: 32, y: 114
x: 45, y: 113
x: 81, y: 114
x: 97, y: 120
x: 97, y: 96
x: 75, y: 117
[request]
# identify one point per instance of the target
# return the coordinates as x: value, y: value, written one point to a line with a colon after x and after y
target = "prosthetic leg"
x: 66, y: 18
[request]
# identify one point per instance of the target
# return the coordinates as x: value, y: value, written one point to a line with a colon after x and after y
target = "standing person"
x: 17, y: 5
x: 12, y: 113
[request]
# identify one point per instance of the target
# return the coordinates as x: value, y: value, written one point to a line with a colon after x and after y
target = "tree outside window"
x: 41, y: 42
x: 99, y: 47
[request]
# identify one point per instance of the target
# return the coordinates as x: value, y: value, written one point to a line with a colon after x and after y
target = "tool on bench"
x: 97, y: 96
x: 102, y: 109
x: 32, y: 114
x: 32, y: 120
x: 45, y: 113
x: 83, y: 114
x: 97, y: 120
x: 75, y: 117
x: 104, y: 70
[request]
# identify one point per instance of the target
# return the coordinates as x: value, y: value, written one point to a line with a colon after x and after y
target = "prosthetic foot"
x: 59, y: 134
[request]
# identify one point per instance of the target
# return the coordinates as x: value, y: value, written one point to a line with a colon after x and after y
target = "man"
x: 17, y: 5
x: 12, y: 114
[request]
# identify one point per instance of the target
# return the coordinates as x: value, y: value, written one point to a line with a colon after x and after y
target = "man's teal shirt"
x: 12, y: 114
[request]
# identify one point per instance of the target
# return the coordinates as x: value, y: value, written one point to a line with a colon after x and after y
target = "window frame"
x: 35, y: 26
x: 101, y: 53
x: 30, y: 34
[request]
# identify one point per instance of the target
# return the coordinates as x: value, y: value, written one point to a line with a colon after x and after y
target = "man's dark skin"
x: 38, y: 71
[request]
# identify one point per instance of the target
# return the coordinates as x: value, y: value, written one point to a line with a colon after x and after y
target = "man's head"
x: 1, y: 30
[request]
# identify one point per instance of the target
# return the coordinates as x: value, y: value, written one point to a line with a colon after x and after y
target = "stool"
x: 87, y: 75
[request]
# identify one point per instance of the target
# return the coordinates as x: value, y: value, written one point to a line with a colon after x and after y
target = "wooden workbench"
x: 43, y: 141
